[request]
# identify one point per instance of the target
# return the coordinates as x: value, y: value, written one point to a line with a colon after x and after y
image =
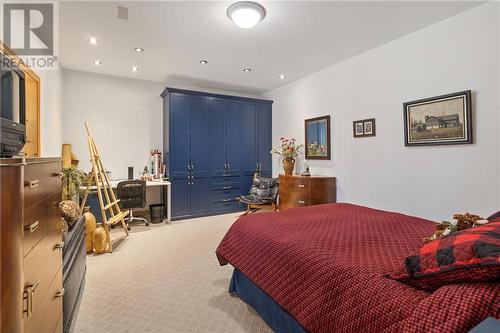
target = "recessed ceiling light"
x: 139, y: 49
x: 97, y: 62
x: 135, y: 68
x: 246, y: 14
x: 247, y: 69
x: 281, y: 76
x: 93, y: 40
x: 203, y: 62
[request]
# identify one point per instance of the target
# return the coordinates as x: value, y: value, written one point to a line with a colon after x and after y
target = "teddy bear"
x: 458, y: 222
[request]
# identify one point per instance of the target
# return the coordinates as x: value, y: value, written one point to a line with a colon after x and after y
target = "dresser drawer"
x: 42, y: 263
x: 46, y: 316
x: 37, y: 220
x: 300, y: 184
x: 40, y: 181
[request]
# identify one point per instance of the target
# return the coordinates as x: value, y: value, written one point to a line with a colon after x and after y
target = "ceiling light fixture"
x: 281, y: 76
x: 246, y: 14
x: 93, y: 40
x: 139, y: 49
x: 247, y: 69
x: 203, y: 62
x: 97, y: 62
x: 135, y: 69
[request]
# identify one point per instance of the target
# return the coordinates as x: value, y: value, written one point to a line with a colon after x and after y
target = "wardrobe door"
x: 200, y: 154
x: 179, y: 137
x: 234, y: 141
x: 180, y: 197
x: 218, y: 136
x: 200, y: 136
x: 199, y: 190
x: 249, y: 145
x: 264, y: 128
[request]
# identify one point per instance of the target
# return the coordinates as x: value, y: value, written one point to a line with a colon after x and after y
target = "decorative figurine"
x: 306, y: 173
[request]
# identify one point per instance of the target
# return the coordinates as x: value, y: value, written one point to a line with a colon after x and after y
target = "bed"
x: 323, y: 269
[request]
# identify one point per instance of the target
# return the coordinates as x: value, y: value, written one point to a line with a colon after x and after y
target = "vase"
x: 288, y: 165
x: 90, y: 226
x: 100, y: 240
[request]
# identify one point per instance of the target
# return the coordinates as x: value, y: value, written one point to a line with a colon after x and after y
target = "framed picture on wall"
x: 440, y: 120
x: 363, y: 128
x: 317, y: 132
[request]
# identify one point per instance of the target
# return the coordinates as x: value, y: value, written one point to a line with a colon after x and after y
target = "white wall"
x: 457, y: 54
x: 51, y: 112
x: 124, y: 116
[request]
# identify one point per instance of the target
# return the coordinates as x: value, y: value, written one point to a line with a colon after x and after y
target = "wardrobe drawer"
x: 41, y: 265
x: 41, y: 180
x: 226, y: 179
x: 46, y: 316
x: 37, y: 220
x: 227, y: 192
x: 228, y: 203
x: 221, y: 186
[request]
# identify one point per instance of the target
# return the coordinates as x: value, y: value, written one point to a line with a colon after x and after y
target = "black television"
x: 12, y: 108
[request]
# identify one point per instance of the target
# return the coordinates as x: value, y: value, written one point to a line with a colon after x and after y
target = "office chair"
x: 132, y: 194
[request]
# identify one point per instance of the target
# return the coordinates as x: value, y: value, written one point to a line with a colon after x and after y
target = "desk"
x: 165, y: 198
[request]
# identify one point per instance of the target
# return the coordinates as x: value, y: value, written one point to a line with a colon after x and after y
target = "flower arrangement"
x: 288, y: 149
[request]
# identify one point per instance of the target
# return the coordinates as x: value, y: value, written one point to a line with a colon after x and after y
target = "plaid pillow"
x: 470, y: 255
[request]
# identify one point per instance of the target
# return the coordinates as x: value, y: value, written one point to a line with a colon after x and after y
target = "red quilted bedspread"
x: 325, y: 266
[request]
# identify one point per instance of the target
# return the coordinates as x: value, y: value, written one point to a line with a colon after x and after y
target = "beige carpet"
x: 165, y: 278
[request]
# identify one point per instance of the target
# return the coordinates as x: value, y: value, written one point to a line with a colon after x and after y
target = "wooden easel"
x: 103, y: 187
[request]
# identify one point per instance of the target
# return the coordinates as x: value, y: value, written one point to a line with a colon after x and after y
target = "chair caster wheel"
x: 129, y: 228
x: 147, y: 224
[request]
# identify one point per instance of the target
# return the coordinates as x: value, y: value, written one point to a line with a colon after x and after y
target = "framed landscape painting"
x: 440, y: 120
x: 318, y: 138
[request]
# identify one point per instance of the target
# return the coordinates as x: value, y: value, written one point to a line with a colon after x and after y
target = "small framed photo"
x: 363, y: 128
x: 440, y: 120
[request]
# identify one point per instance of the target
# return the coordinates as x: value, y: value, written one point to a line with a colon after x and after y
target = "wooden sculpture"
x: 107, y: 199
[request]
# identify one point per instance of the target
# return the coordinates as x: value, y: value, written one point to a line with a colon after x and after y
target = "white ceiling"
x: 295, y: 38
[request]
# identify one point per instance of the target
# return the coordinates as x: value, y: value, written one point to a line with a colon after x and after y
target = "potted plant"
x: 289, y: 150
x: 73, y: 181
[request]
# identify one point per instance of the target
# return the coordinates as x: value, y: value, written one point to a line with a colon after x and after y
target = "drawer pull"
x: 59, y: 294
x: 59, y: 246
x: 226, y: 188
x: 34, y: 183
x: 57, y: 174
x: 226, y: 200
x: 32, y: 227
x: 29, y: 294
x: 302, y: 185
x: 302, y: 202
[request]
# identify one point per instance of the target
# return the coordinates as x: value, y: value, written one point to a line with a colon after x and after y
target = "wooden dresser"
x: 31, y: 231
x: 298, y: 191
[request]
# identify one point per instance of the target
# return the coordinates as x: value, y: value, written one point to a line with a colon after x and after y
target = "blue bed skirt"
x: 270, y: 311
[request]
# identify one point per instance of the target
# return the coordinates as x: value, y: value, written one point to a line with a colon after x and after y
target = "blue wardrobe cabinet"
x: 206, y: 140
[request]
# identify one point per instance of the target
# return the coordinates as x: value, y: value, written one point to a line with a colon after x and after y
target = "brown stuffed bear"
x: 459, y: 222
